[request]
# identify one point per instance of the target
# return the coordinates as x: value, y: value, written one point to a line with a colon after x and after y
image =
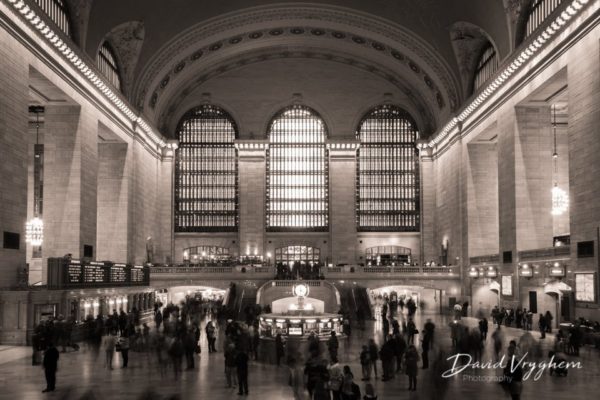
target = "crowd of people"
x: 398, y: 347
x: 298, y: 270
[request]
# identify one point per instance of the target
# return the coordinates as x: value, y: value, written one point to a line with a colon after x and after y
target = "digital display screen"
x: 74, y: 272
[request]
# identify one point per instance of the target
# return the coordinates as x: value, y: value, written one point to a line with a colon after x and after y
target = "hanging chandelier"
x: 560, y: 198
x: 34, y: 228
x: 34, y: 232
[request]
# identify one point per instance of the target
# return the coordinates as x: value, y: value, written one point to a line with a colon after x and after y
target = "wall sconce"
x: 474, y: 273
x: 525, y: 271
x: 491, y: 272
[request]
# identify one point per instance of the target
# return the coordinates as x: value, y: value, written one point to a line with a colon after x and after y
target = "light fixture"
x: 474, y: 272
x: 491, y: 272
x: 560, y: 199
x: 34, y: 228
x: 523, y: 58
x: 525, y: 271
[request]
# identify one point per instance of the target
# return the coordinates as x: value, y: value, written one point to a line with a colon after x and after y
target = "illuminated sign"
x: 295, y: 331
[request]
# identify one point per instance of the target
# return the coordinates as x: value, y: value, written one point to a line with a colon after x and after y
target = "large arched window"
x: 107, y: 63
x: 486, y: 66
x: 58, y: 13
x: 387, y: 171
x: 206, y: 172
x: 538, y: 12
x: 297, y: 171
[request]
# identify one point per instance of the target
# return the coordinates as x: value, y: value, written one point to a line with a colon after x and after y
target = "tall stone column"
x: 166, y: 194
x: 252, y: 187
x: 524, y: 184
x: 342, y: 200
x: 70, y: 182
x: 583, y: 75
x: 482, y: 198
x: 13, y: 162
x: 114, y: 177
x: 429, y: 250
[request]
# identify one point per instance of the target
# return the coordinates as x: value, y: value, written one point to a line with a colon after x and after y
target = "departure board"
x: 74, y: 272
x: 118, y: 274
x: 69, y: 273
x: 137, y: 274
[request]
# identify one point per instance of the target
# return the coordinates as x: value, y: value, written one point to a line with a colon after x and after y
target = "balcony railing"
x: 336, y: 272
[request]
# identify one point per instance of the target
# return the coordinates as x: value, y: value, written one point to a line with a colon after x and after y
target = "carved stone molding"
x: 127, y: 40
x: 468, y: 41
x: 213, y: 34
x: 79, y: 12
x: 423, y: 107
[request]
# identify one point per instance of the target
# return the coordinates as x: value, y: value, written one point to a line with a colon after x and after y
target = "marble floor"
x: 82, y: 376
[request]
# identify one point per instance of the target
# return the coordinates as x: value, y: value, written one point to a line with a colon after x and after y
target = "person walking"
x: 279, y: 348
x: 425, y: 347
x: 483, y: 328
x: 373, y: 356
x: 365, y: 363
x: 211, y: 337
x: 124, y: 345
x: 411, y: 330
x: 333, y: 346
x: 411, y: 359
x: 189, y: 345
x: 241, y: 363
x: 230, y: 364
x: 336, y: 379
x: 542, y: 326
x: 549, y: 319
x: 50, y: 363
x: 110, y: 342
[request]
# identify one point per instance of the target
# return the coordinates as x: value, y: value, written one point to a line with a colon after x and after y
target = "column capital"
x: 342, y: 148
x: 251, y: 148
x: 168, y: 152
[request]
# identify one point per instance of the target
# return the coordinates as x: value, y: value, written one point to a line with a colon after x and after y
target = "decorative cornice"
x: 188, y: 42
x: 71, y: 55
x: 520, y: 61
x: 215, y: 49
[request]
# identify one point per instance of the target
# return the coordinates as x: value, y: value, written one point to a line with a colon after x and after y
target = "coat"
x: 411, y: 358
x: 51, y: 357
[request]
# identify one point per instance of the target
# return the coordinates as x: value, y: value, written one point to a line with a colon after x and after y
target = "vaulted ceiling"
x: 167, y: 49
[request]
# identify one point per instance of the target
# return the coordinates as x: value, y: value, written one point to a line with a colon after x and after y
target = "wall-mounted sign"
x: 507, y: 285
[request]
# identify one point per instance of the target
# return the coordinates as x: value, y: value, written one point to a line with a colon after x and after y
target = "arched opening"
x: 387, y: 171
x: 107, y: 63
x: 297, y: 171
x: 206, y: 178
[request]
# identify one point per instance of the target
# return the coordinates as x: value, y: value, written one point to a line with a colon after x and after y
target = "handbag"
x: 118, y: 347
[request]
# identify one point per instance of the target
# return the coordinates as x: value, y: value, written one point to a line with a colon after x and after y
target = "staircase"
x: 245, y: 299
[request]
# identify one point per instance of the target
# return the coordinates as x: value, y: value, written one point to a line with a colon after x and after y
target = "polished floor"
x: 82, y: 376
